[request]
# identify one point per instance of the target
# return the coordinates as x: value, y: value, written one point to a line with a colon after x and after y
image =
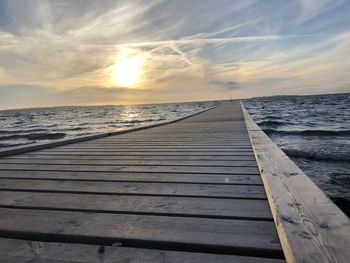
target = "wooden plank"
x: 149, y: 168
x: 225, y: 158
x: 216, y: 150
x: 169, y: 131
x: 310, y: 226
x: 225, y: 236
x: 204, y: 123
x: 167, y: 147
x: 105, y: 162
x: 23, y: 251
x: 188, y: 137
x: 241, y: 134
x: 225, y: 119
x: 135, y: 188
x: 166, y: 140
x: 145, y: 153
x: 149, y: 205
x: 170, y: 143
x: 159, y: 145
x: 202, y: 127
x: 135, y: 177
x: 177, y: 141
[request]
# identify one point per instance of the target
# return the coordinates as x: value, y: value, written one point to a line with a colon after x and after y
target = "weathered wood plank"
x: 160, y: 146
x: 145, y: 153
x: 154, y: 147
x: 200, y: 190
x: 239, y: 134
x: 152, y: 205
x: 167, y: 150
x: 149, y: 168
x: 210, y: 235
x: 165, y: 140
x: 202, y: 127
x: 310, y: 226
x: 120, y: 157
x: 169, y: 143
x: 135, y: 177
x: 129, y: 163
x: 22, y: 251
x: 188, y: 137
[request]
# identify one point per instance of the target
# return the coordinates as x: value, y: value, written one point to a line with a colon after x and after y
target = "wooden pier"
x: 195, y: 190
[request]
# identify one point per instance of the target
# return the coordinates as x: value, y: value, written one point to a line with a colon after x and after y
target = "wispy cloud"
x: 227, y: 40
x: 310, y: 9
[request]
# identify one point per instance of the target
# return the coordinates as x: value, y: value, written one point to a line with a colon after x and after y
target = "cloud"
x: 228, y: 40
x: 229, y: 85
x: 191, y: 49
x: 310, y: 9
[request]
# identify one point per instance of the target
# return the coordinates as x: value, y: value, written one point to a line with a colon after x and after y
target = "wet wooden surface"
x: 188, y: 191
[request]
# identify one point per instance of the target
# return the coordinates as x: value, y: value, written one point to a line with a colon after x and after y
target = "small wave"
x: 140, y: 121
x: 6, y: 145
x: 35, y: 136
x: 273, y: 117
x: 46, y: 136
x: 75, y: 129
x: 22, y: 131
x: 131, y: 121
x: 318, y: 155
x: 309, y: 132
x: 272, y: 123
x: 338, y: 178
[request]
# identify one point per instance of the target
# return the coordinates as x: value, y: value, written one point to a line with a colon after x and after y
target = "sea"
x: 314, y: 131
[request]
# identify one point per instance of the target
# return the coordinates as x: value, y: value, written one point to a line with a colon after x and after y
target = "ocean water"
x: 29, y: 126
x: 314, y: 131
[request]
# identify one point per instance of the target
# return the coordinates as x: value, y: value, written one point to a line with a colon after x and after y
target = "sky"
x: 83, y: 52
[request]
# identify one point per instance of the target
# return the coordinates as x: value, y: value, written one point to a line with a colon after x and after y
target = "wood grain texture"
x: 310, y: 226
x: 23, y: 251
x: 148, y: 149
x: 176, y: 140
x: 209, y: 163
x: 168, y: 143
x: 160, y: 147
x: 134, y: 177
x: 136, y: 188
x: 131, y: 169
x: 147, y: 153
x: 221, y: 235
x: 174, y: 158
x: 152, y: 205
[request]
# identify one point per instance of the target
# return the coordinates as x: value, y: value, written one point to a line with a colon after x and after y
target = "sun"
x: 127, y: 71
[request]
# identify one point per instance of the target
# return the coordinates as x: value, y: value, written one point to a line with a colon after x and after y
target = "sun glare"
x: 126, y: 72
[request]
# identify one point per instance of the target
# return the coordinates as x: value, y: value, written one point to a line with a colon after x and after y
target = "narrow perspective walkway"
x: 188, y: 191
